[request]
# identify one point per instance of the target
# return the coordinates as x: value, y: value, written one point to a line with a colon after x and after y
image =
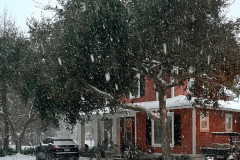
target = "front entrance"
x: 127, y: 132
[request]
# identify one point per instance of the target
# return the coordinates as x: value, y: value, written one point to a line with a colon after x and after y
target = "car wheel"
x: 37, y: 156
x: 48, y: 156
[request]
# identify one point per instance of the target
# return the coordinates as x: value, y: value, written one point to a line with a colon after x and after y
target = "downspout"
x: 194, y: 132
x: 172, y: 89
x: 135, y: 127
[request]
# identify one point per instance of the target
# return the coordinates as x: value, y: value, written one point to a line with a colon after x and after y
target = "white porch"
x: 107, y: 126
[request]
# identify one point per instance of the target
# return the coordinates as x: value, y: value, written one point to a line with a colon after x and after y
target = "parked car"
x: 54, y: 148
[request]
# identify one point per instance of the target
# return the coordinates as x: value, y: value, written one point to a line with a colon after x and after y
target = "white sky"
x: 20, y: 10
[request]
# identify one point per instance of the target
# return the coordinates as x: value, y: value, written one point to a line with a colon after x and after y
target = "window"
x: 204, y: 122
x: 177, y: 129
x: 228, y: 122
x: 148, y: 131
x: 139, y: 87
x: 190, y: 85
x: 156, y: 132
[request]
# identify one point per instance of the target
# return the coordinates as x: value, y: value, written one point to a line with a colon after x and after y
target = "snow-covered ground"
x: 24, y: 157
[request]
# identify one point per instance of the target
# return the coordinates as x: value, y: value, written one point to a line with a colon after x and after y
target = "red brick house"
x: 189, y: 131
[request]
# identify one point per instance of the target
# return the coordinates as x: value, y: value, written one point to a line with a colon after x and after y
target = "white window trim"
x: 157, y: 144
x: 204, y: 129
x: 157, y: 94
x: 228, y: 116
x: 138, y: 96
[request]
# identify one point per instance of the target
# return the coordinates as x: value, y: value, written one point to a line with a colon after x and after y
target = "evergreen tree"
x: 96, y: 47
x: 16, y: 79
x: 173, y: 41
x: 85, y: 50
x: 9, y: 55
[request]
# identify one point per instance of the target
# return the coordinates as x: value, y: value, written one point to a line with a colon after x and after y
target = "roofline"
x: 186, y: 107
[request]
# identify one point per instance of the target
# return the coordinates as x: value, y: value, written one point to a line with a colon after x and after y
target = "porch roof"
x: 181, y: 101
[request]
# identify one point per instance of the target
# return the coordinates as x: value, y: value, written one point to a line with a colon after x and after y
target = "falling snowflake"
x: 59, y: 61
x: 107, y: 76
x: 92, y: 58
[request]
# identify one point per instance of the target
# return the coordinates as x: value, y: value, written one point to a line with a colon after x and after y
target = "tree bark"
x: 6, y: 134
x: 18, y: 138
x: 163, y: 120
x: 5, y: 111
x: 18, y: 143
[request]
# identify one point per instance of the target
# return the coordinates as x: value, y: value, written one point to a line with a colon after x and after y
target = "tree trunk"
x: 163, y: 120
x: 166, y: 151
x: 6, y: 134
x: 5, y: 111
x: 18, y: 143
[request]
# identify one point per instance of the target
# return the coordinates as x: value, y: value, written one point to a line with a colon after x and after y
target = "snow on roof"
x: 229, y: 105
x: 181, y: 101
x: 230, y: 93
x: 178, y: 101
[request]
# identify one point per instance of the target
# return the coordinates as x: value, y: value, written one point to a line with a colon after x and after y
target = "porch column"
x: 95, y: 136
x: 81, y: 135
x: 118, y: 130
x: 99, y: 131
x: 194, y: 131
x: 102, y: 130
x: 135, y: 127
x: 114, y: 131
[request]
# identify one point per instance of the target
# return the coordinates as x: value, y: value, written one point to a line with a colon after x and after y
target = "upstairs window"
x: 190, y: 85
x: 228, y: 122
x: 139, y: 86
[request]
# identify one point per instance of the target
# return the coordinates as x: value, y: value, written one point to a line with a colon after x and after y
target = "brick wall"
x: 150, y: 94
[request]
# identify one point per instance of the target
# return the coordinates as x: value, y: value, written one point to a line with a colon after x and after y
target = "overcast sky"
x: 20, y: 10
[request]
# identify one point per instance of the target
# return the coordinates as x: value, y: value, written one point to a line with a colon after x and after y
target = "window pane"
x: 157, y: 132
x: 229, y: 122
x: 204, y: 122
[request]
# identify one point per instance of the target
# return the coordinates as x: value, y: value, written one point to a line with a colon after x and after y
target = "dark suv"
x: 54, y: 148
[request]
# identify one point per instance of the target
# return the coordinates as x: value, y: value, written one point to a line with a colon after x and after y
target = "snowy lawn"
x: 24, y: 157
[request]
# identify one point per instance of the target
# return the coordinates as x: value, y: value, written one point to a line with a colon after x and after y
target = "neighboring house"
x: 189, y: 128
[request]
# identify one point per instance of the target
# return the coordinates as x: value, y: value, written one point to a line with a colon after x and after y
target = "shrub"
x: 7, y: 151
x: 29, y: 151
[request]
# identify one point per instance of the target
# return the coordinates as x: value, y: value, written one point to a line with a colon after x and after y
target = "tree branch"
x: 97, y: 91
x: 139, y: 109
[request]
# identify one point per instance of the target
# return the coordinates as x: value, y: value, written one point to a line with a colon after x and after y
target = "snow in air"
x: 59, y: 61
x: 116, y: 86
x: 92, y: 58
x: 164, y: 48
x: 107, y: 76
